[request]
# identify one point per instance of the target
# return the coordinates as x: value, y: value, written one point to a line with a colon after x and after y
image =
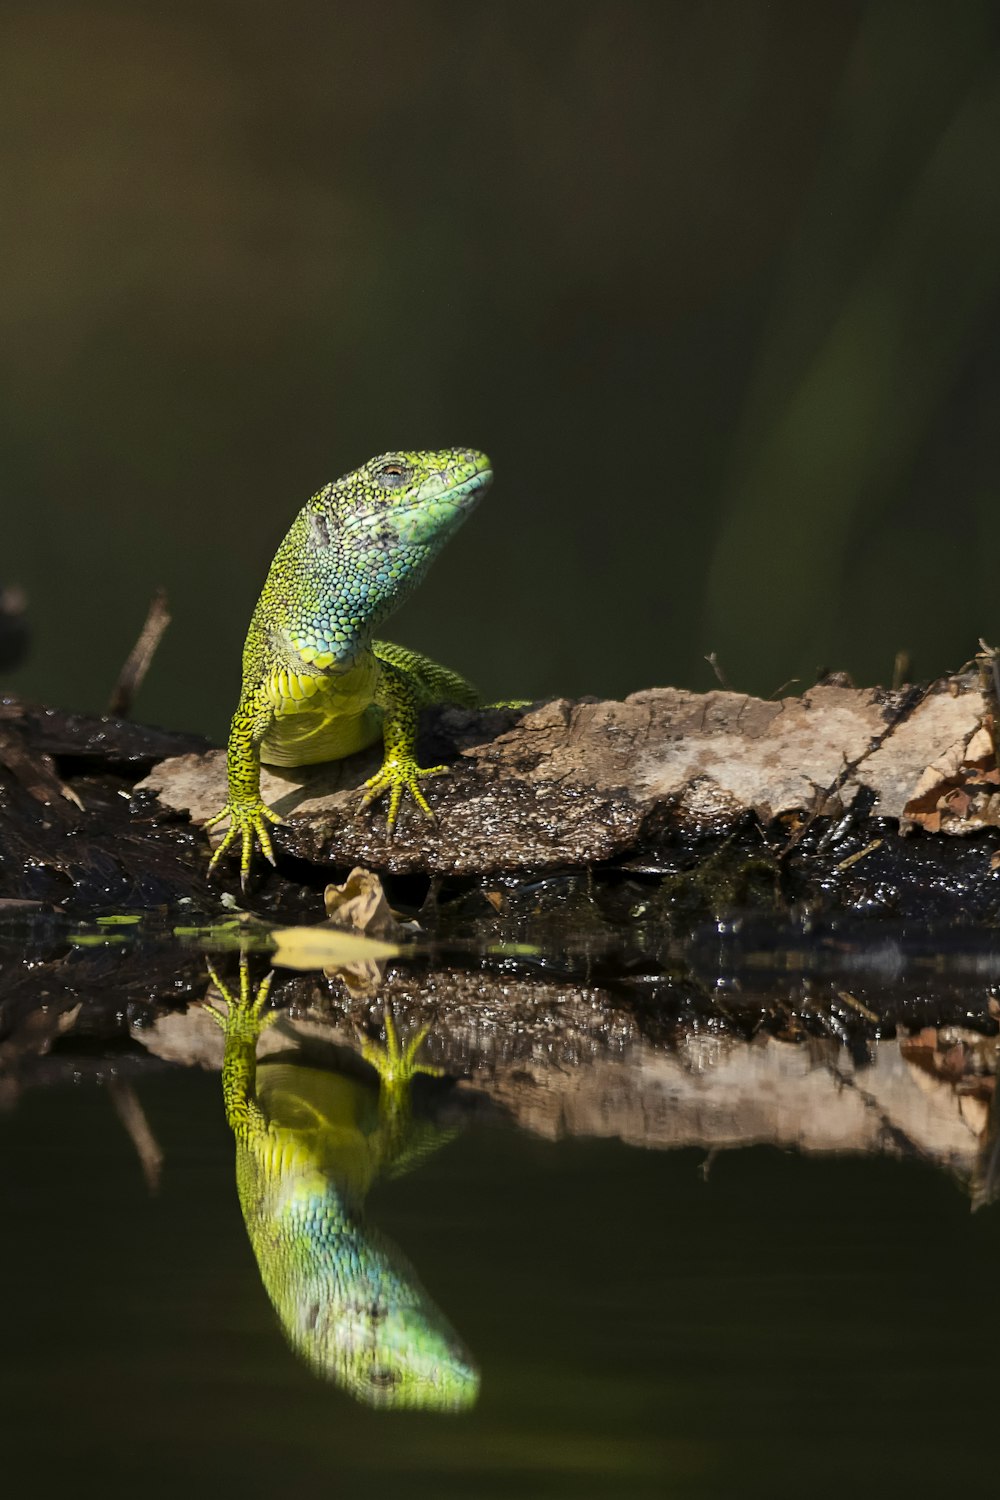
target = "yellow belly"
x: 319, y: 718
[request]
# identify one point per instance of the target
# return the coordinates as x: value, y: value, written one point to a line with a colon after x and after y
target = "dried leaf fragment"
x: 360, y: 905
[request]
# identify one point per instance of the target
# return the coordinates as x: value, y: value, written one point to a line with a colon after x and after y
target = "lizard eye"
x: 393, y: 475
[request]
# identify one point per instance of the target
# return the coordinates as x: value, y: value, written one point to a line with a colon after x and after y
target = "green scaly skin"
x: 316, y: 685
x: 308, y: 1145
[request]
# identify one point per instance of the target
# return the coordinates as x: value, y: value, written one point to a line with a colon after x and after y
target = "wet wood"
x: 839, y: 788
x: 72, y: 829
x: 564, y: 1060
x: 576, y: 783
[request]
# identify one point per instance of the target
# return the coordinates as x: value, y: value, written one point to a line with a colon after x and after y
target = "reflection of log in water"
x: 720, y: 1094
x: 673, y: 1069
x: 927, y: 1097
x: 309, y: 1144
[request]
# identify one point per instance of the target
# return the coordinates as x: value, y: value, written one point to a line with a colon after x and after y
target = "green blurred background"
x: 717, y: 285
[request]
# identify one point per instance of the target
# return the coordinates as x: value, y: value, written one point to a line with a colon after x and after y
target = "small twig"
x: 989, y: 684
x: 721, y: 678
x: 900, y: 670
x: 862, y: 1010
x: 33, y: 769
x: 852, y: 859
x: 13, y: 626
x: 709, y: 1161
x: 789, y: 682
x: 132, y: 674
x: 836, y: 831
x: 983, y: 1188
x: 987, y: 657
x: 912, y: 700
x: 132, y: 1115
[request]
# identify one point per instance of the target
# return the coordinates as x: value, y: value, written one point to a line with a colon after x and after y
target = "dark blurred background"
x: 717, y: 285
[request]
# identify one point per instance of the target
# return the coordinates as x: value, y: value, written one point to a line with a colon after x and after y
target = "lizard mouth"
x: 473, y: 485
x: 438, y: 512
x: 429, y: 516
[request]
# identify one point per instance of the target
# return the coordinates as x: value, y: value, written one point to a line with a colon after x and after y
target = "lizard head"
x: 378, y: 529
x: 379, y: 1336
x: 406, y: 501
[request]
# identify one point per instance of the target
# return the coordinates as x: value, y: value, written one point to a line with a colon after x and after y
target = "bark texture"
x: 579, y: 783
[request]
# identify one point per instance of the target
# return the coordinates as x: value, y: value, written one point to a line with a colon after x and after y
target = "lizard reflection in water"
x: 309, y: 1144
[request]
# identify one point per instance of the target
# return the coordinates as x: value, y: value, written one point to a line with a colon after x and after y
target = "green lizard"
x: 316, y: 686
x: 308, y: 1145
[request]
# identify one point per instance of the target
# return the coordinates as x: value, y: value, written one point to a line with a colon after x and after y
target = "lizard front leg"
x: 248, y: 814
x: 399, y: 1142
x: 242, y: 1022
x: 400, y: 695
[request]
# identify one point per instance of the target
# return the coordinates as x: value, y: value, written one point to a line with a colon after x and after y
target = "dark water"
x: 782, y: 1324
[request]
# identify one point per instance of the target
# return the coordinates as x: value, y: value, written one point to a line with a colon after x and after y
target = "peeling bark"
x: 813, y: 798
x: 578, y: 783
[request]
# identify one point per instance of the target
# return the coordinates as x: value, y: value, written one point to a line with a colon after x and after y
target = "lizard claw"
x: 397, y: 775
x: 248, y: 824
x: 395, y: 1064
x: 244, y: 1015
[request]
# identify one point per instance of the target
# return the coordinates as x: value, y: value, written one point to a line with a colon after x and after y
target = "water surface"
x: 646, y: 1321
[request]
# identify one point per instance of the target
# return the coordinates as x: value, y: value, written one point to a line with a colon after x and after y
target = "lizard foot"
x: 248, y: 823
x: 243, y: 1018
x: 397, y: 1065
x: 396, y: 775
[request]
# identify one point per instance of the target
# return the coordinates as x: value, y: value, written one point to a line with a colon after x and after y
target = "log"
x: 884, y: 801
x: 837, y: 791
x: 579, y: 783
